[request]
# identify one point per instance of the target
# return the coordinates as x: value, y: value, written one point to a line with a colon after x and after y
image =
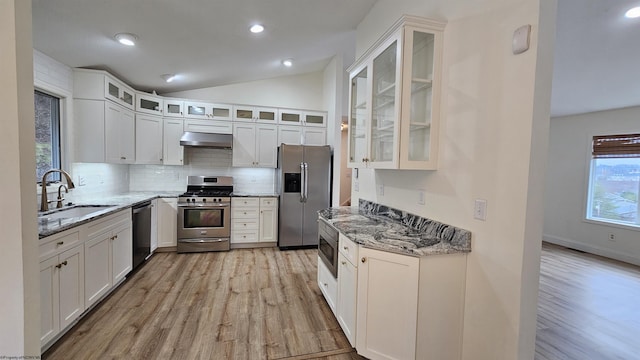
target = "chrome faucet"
x: 44, y: 201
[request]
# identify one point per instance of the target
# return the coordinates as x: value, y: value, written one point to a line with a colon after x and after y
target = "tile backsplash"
x: 105, y: 179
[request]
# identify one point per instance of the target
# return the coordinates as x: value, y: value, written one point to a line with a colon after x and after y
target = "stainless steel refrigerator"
x: 304, y: 179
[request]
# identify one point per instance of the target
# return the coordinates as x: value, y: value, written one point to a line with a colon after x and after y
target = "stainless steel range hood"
x: 208, y: 140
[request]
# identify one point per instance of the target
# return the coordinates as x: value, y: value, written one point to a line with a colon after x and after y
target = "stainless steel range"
x: 204, y: 214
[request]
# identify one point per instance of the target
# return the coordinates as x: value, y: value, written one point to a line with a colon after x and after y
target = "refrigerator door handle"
x: 303, y: 181
x: 306, y: 181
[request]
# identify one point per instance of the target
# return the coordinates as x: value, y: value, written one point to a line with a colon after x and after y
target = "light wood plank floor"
x: 588, y: 307
x: 242, y: 304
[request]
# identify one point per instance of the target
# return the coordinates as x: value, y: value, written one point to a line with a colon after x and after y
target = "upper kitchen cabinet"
x: 149, y: 103
x: 208, y: 111
x: 100, y: 85
x: 255, y: 114
x: 394, y: 98
x: 254, y: 145
x: 173, y: 108
x: 302, y: 117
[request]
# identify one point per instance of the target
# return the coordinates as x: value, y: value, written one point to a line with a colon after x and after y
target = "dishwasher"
x: 141, y: 233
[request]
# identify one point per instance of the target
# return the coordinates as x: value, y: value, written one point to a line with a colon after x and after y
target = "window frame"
x: 56, y: 139
x: 588, y: 201
x: 66, y: 143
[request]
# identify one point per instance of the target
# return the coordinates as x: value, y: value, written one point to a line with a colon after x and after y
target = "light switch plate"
x: 380, y: 189
x: 480, y: 209
x: 356, y: 186
x: 521, y: 39
x: 420, y: 197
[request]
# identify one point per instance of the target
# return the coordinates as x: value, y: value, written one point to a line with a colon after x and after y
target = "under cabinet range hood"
x: 208, y: 140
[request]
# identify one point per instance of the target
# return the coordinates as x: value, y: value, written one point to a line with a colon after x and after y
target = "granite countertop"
x: 48, y: 226
x: 396, y: 231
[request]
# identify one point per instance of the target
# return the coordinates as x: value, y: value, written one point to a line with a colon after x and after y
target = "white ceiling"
x: 207, y: 43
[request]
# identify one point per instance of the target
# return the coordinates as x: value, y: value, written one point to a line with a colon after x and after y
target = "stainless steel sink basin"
x: 75, y: 211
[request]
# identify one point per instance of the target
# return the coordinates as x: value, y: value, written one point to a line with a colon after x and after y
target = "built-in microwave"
x: 328, y: 246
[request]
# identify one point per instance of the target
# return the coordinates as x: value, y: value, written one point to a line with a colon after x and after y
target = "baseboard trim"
x: 572, y: 244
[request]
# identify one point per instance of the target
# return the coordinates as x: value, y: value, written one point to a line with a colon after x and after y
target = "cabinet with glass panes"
x: 394, y: 97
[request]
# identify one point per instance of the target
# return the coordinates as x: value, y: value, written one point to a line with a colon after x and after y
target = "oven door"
x: 208, y: 221
x: 328, y: 247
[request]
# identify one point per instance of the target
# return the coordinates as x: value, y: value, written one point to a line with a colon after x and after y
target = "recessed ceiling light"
x: 256, y: 28
x: 126, y: 39
x: 633, y: 12
x: 287, y: 62
x: 169, y: 77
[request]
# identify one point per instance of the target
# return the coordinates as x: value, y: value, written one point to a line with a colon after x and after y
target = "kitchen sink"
x: 75, y: 211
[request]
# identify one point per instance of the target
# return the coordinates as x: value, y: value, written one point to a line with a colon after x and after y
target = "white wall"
x: 19, y: 280
x: 493, y: 137
x: 332, y: 85
x: 567, y: 183
x: 296, y: 91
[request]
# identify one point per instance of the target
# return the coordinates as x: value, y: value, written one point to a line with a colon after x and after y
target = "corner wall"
x: 567, y: 183
x: 495, y: 109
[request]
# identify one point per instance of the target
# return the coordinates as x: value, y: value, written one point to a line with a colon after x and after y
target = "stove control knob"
x: 193, y: 200
x: 204, y: 200
x: 215, y: 200
x: 188, y: 200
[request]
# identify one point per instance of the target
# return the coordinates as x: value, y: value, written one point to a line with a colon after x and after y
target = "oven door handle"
x: 203, y: 240
x: 208, y: 205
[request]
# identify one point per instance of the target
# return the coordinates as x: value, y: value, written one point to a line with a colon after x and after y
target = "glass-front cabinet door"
x: 419, y: 130
x: 358, y: 115
x: 385, y: 106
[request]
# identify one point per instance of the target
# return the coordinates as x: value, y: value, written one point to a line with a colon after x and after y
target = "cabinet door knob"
x: 64, y: 263
x: 344, y: 263
x: 346, y: 248
x: 363, y: 259
x: 58, y: 266
x: 60, y: 243
x: 325, y: 284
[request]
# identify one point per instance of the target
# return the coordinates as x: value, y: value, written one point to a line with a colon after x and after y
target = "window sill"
x: 614, y: 224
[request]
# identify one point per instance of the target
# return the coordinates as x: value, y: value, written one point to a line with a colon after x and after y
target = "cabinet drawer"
x: 328, y: 285
x: 242, y: 213
x: 268, y: 202
x: 244, y: 224
x: 245, y: 202
x: 108, y: 222
x: 349, y: 249
x: 244, y: 236
x: 58, y: 243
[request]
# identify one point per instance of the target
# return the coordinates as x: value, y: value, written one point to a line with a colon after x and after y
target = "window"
x: 614, y: 183
x: 47, y: 122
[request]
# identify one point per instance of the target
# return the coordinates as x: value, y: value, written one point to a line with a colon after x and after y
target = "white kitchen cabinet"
x: 100, y: 85
x: 254, y: 221
x: 254, y: 145
x: 167, y: 222
x: 290, y: 117
x: 105, y: 132
x: 300, y: 135
x: 394, y: 98
x: 172, y: 151
x: 108, y: 254
x: 61, y: 290
x: 314, y: 118
x: 173, y: 108
x: 346, y: 298
x: 208, y: 126
x: 208, y: 111
x: 387, y: 284
x: 328, y: 285
x: 249, y: 113
x: 149, y: 104
x: 268, y: 220
x: 119, y: 137
x: 302, y: 117
x: 149, y: 138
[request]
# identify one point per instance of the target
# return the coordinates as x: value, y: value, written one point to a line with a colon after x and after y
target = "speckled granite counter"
x: 48, y: 226
x: 383, y: 228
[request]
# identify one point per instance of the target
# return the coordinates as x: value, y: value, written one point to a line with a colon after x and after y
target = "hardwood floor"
x: 243, y: 304
x: 265, y: 304
x: 587, y: 307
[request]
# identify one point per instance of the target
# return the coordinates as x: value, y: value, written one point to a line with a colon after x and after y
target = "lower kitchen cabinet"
x: 328, y: 285
x: 167, y: 222
x: 108, y: 254
x: 61, y: 291
x: 346, y: 304
x: 254, y: 221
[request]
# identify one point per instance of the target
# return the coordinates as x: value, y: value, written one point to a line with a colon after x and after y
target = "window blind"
x: 616, y: 146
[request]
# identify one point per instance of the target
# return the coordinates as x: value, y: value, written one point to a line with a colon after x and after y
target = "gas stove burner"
x: 207, y: 193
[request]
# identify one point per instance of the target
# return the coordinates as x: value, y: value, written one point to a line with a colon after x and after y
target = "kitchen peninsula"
x: 400, y: 278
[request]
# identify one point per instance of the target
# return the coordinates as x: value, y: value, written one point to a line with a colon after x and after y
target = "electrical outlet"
x: 420, y: 197
x: 356, y: 186
x: 81, y: 180
x: 480, y: 209
x: 381, y: 189
x: 612, y: 237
